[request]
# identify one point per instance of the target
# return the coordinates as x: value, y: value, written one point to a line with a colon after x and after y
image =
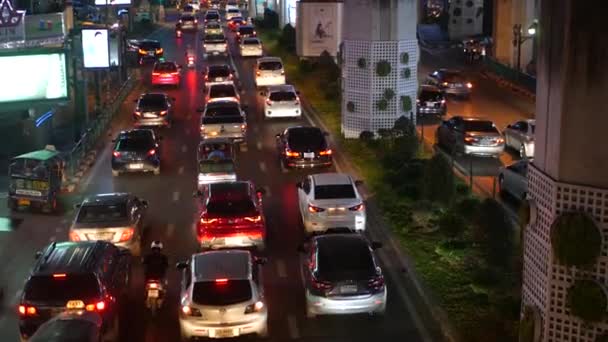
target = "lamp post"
x: 519, y: 38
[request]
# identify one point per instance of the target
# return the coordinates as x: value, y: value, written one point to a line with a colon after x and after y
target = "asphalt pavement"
x: 173, y: 212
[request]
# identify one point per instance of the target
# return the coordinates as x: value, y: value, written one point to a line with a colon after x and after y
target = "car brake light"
x: 208, y: 221
x: 127, y: 234
x: 445, y: 84
x: 27, y: 310
x: 153, y: 285
x: 243, y: 127
x: 254, y: 219
x: 282, y: 72
x: 138, y: 113
x: 314, y: 209
x: 156, y: 74
x: 74, y: 236
x: 238, y: 33
x: 358, y: 207
x: 255, y: 307
x: 221, y: 281
x: 151, y: 152
x: 500, y: 140
x: 202, y: 128
x: 377, y: 283
x: 442, y: 101
x: 164, y: 112
x: 225, y: 45
x: 206, y: 78
x: 469, y: 85
x: 100, y: 306
x: 470, y: 139
x: 142, y: 51
x: 269, y: 103
x: 159, y: 50
x: 59, y: 275
x: 321, y: 285
x: 289, y: 153
x: 116, y: 154
x: 327, y: 152
x: 258, y: 73
x: 190, y: 311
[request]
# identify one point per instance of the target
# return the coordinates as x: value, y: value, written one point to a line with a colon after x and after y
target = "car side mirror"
x: 77, y: 206
x: 376, y: 245
x: 260, y: 260
x: 37, y: 255
x: 302, y: 248
x: 358, y: 182
x: 181, y: 265
x: 200, y: 109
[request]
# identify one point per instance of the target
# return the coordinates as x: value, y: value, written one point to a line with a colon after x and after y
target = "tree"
x: 288, y: 38
x: 438, y: 180
x: 494, y: 233
x: 330, y: 71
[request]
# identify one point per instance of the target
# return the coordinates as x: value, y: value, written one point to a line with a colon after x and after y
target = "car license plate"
x: 103, y: 236
x: 232, y: 241
x: 23, y: 202
x: 149, y: 115
x: 430, y: 104
x: 348, y: 288
x: 224, y: 333
x: 152, y: 293
x: 219, y: 79
x: 309, y: 155
x: 136, y: 166
x: 150, y: 53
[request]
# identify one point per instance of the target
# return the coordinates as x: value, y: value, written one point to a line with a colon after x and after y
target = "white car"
x: 281, y: 102
x: 196, y: 5
x: 222, y: 91
x: 233, y: 12
x: 231, y: 5
x: 269, y: 71
x: 513, y: 179
x: 520, y: 137
x: 251, y: 46
x: 222, y: 286
x: 331, y: 200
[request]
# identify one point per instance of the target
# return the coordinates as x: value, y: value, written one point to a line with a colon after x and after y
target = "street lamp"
x: 519, y: 39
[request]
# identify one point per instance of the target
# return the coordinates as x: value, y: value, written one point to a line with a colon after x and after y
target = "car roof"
x: 239, y: 188
x: 331, y: 178
x: 107, y: 199
x: 136, y: 132
x: 281, y: 88
x: 226, y: 264
x: 269, y: 59
x: 332, y: 245
x: 70, y: 257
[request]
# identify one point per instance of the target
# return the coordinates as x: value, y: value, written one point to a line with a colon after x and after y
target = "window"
x: 210, y: 166
x: 133, y: 144
x: 270, y: 66
x: 48, y: 289
x: 102, y: 213
x: 306, y: 139
x: 222, y: 91
x: 479, y: 126
x: 165, y: 67
x: 251, y: 42
x: 283, y: 96
x: 153, y: 102
x: 350, y: 260
x: 231, y: 207
x: 221, y: 293
x: 334, y: 191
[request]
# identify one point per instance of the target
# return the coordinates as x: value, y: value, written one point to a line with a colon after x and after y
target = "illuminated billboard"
x: 318, y: 28
x: 112, y: 3
x: 95, y: 48
x: 33, y: 77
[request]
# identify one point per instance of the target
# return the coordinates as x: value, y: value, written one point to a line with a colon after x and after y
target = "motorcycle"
x: 154, y: 295
x: 191, y: 63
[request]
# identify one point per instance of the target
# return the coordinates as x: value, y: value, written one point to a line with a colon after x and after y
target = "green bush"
x: 438, y: 180
x: 288, y: 38
x: 332, y: 90
x: 382, y: 104
x: 362, y: 63
x: 365, y: 136
x: 350, y: 106
x: 405, y: 58
x: 451, y: 224
x: 389, y: 94
x: 467, y: 207
x: 400, y: 143
x: 463, y: 189
x: 305, y: 66
x: 271, y: 19
x: 587, y: 300
x: 575, y: 239
x: 406, y: 103
x: 494, y: 233
x: 383, y: 68
x: 330, y: 71
x: 406, y: 73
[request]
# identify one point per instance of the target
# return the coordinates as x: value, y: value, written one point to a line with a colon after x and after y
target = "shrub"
x: 305, y: 65
x: 382, y: 104
x: 463, y: 189
x: 575, y: 239
x: 467, y: 207
x: 362, y: 63
x: 332, y: 90
x: 350, y: 106
x: 494, y: 233
x: 438, y: 180
x: 365, y: 136
x: 406, y: 103
x: 405, y: 58
x: 330, y: 72
x: 383, y: 68
x: 403, y: 143
x: 451, y: 224
x: 389, y: 94
x: 271, y: 19
x: 587, y: 300
x: 288, y: 38
x: 406, y: 73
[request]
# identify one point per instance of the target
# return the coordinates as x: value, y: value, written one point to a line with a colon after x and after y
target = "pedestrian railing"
x: 509, y: 74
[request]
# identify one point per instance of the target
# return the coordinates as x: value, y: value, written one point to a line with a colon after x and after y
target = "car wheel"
x: 115, y: 173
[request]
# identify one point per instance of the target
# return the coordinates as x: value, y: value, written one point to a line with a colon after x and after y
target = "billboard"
x: 95, y: 48
x: 33, y: 77
x: 112, y: 2
x: 318, y: 28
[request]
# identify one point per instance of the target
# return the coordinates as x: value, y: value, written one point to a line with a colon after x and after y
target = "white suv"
x: 269, y: 71
x: 222, y: 286
x: 281, y: 102
x: 329, y: 201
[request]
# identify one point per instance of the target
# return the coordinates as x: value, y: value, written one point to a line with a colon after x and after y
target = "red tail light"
x: 190, y: 311
x: 152, y: 285
x: 377, y: 283
x: 254, y: 219
x: 190, y: 59
x: 116, y: 154
x: 25, y: 310
x: 269, y: 103
x: 327, y: 152
x: 59, y: 275
x: 164, y: 112
x: 282, y: 72
x: 358, y: 207
x: 258, y: 73
x: 231, y: 76
x: 74, y: 236
x: 206, y: 78
x: 314, y: 209
x: 321, y: 285
x: 156, y: 74
x: 221, y: 281
x: 205, y: 220
x: 289, y: 153
x: 99, y: 306
x: 243, y: 127
x: 127, y: 234
x: 151, y: 152
x: 238, y: 33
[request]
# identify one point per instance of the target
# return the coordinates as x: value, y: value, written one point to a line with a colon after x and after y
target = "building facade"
x: 466, y: 18
x: 508, y: 13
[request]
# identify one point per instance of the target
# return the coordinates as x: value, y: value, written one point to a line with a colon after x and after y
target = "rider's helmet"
x: 156, y: 245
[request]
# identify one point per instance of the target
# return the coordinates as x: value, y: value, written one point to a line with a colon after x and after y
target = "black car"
x: 218, y: 73
x: 303, y: 147
x: 149, y: 50
x: 71, y: 326
x: 188, y: 22
x: 75, y: 276
x: 153, y: 109
x: 451, y: 82
x: 245, y: 31
x: 430, y: 101
x: 136, y: 150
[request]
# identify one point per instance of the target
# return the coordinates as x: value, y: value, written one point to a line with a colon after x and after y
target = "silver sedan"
x: 520, y: 137
x: 513, y: 179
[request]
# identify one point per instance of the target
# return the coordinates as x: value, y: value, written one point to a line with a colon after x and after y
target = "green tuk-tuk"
x: 35, y: 180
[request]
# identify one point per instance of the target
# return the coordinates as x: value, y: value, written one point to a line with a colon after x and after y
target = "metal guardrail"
x: 517, y: 77
x: 97, y: 128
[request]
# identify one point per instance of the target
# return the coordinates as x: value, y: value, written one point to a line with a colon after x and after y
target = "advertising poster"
x: 95, y: 48
x: 322, y: 28
x: 33, y: 77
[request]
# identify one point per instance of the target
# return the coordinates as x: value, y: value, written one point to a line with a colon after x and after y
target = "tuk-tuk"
x: 215, y: 159
x: 35, y: 180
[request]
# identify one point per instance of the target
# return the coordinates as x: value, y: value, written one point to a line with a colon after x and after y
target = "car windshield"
x: 283, y: 96
x: 430, y: 95
x: 153, y: 102
x: 479, y: 126
x: 230, y: 207
x: 149, y: 45
x: 271, y: 66
x: 165, y: 67
x: 67, y: 330
x: 245, y: 30
x: 353, y: 261
x: 251, y: 41
x: 305, y: 139
x: 221, y: 166
x: 32, y: 168
x: 334, y: 191
x: 215, y: 38
x: 58, y: 290
x: 217, y: 293
x: 222, y: 91
x: 221, y: 71
x: 91, y: 213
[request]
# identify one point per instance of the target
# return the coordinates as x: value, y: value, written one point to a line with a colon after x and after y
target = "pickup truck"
x: 215, y: 44
x: 223, y: 119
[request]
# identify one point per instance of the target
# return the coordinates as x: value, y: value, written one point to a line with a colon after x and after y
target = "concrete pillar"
x: 570, y: 165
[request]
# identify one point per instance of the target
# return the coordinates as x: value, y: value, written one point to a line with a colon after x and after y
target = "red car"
x: 232, y: 216
x: 166, y: 73
x: 235, y: 22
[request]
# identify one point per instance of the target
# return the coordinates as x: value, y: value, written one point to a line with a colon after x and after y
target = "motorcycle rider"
x: 190, y: 54
x: 156, y: 263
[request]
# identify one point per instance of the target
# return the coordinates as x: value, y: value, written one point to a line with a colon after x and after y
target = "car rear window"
x: 271, y: 66
x: 353, y: 261
x: 283, y: 96
x: 212, y: 16
x: 233, y: 10
x: 67, y: 330
x: 134, y: 144
x: 165, y: 67
x: 221, y: 293
x: 149, y: 45
x: 57, y: 291
x: 334, y: 191
x: 153, y: 102
x: 213, y: 26
x: 251, y: 41
x: 102, y: 213
x: 430, y: 95
x: 215, y: 38
x: 222, y: 71
x: 230, y: 207
x: 246, y: 30
x: 479, y: 126
x: 222, y: 91
x: 212, y: 166
x: 306, y: 139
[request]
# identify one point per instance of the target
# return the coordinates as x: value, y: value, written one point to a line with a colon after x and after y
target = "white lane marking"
x: 262, y: 166
x: 184, y: 148
x: 259, y: 145
x: 180, y: 171
x: 281, y: 270
x: 170, y: 229
x: 292, y: 327
x: 175, y: 196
